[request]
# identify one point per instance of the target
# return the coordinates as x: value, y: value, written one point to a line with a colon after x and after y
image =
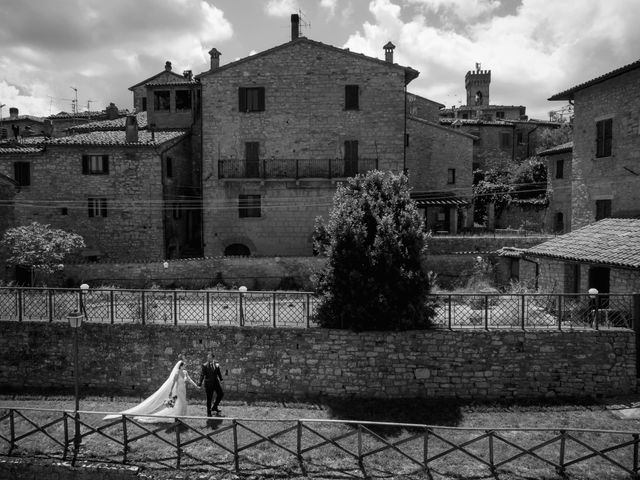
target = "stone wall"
x: 607, y: 178
x: 135, y: 359
x: 560, y: 192
x: 41, y: 469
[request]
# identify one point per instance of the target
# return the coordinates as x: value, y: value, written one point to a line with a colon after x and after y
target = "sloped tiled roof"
x: 116, y: 124
x: 95, y: 114
x: 163, y: 72
x: 22, y: 117
x: 13, y: 149
x: 475, y: 121
x: 565, y: 147
x: 117, y: 138
x: 611, y: 241
x: 173, y: 83
x: 410, y: 73
x: 424, y: 199
x: 568, y: 94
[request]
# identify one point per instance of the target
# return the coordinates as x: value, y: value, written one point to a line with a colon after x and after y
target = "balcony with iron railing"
x: 293, y: 168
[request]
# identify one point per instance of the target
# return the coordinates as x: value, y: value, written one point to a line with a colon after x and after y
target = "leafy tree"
x: 39, y: 247
x: 374, y: 278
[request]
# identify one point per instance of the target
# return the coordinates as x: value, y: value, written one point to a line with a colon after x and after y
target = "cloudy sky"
x: 534, y: 48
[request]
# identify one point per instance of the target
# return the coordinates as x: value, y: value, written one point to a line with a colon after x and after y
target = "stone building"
x: 558, y: 161
x: 115, y: 188
x: 606, y: 146
x: 604, y: 255
x: 165, y: 100
x: 281, y: 128
x: 16, y: 126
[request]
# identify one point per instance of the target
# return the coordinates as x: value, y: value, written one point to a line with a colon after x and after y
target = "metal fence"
x: 253, y: 445
x: 298, y: 309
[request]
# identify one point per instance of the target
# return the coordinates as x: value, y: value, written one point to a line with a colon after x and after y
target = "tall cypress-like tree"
x: 374, y: 240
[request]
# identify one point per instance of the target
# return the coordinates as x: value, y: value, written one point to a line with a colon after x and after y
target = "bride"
x: 170, y: 399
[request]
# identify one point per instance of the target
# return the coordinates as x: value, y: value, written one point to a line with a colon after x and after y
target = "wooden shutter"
x: 91, y: 207
x: 261, y: 99
x: 85, y: 164
x: 105, y: 164
x: 103, y: 207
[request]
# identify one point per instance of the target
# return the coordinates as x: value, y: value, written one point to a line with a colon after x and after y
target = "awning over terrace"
x: 442, y: 199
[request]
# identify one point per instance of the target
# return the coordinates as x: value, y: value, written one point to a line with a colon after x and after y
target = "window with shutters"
x: 95, y: 164
x: 603, y: 209
x: 351, y: 97
x: 22, y: 173
x: 97, y: 207
x: 451, y: 176
x: 249, y: 206
x: 251, y: 99
x: 183, y: 100
x: 604, y: 137
x: 161, y: 100
x: 505, y: 139
x: 350, y: 158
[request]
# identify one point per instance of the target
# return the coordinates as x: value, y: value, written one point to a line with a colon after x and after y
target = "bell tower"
x: 477, y: 85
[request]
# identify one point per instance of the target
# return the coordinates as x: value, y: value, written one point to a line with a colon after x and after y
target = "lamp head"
x: 84, y: 287
x: 242, y: 289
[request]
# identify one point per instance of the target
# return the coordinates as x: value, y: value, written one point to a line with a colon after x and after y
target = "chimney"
x: 188, y: 74
x: 48, y: 128
x: 112, y: 111
x: 13, y: 112
x: 215, y: 58
x: 295, y: 26
x: 388, y: 52
x: 167, y: 66
x: 131, y: 129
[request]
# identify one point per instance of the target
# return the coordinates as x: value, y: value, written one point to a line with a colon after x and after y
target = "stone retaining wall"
x: 135, y: 359
x: 37, y: 469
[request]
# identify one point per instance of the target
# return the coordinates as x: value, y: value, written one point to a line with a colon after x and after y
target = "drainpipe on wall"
x: 404, y: 137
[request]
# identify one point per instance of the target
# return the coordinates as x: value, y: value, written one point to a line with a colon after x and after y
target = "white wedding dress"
x: 156, y: 404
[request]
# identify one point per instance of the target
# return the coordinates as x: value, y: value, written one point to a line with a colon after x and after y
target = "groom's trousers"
x: 211, y: 388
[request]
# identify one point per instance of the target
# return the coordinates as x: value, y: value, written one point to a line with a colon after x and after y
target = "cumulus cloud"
x: 81, y: 43
x: 534, y: 51
x: 281, y: 8
x: 329, y: 5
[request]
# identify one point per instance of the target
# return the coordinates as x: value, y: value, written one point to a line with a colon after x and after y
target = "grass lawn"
x: 207, y: 455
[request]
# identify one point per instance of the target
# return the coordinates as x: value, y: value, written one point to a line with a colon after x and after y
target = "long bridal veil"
x: 154, y: 402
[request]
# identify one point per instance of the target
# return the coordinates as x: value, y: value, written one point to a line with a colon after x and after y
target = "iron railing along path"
x: 242, y: 444
x: 298, y: 309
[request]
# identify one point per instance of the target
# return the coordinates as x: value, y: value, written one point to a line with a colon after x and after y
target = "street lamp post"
x: 242, y: 290
x: 75, y: 321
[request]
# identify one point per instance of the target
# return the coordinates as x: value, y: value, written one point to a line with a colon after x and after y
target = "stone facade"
x: 573, y: 277
x: 296, y: 137
x: 60, y: 195
x: 509, y: 365
x: 559, y: 177
x: 614, y: 178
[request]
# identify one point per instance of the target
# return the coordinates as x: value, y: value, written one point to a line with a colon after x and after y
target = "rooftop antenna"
x: 303, y: 22
x: 74, y: 103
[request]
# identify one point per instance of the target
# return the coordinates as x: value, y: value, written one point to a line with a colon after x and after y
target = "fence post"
x: 178, y: 449
x: 143, y: 308
x: 523, y: 312
x: 50, y: 295
x: 273, y: 310
x: 425, y: 448
x: 299, y: 442
x: 562, y: 444
x: 597, y: 315
x: 450, y: 311
x: 235, y: 445
x: 241, y: 309
x: 360, y: 445
x: 308, y: 309
x: 635, y: 455
x: 112, y: 307
x: 20, y: 313
x: 125, y: 439
x: 65, y: 424
x: 207, y: 313
x: 560, y: 312
x: 175, y: 307
x: 12, y: 428
x: 636, y: 329
x: 491, y: 462
x: 486, y: 312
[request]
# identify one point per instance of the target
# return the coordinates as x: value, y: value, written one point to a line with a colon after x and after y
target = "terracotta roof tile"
x: 565, y: 147
x: 611, y: 241
x: 117, y: 124
x: 117, y: 137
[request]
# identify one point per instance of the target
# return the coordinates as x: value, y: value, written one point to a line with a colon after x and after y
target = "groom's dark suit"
x: 212, y: 377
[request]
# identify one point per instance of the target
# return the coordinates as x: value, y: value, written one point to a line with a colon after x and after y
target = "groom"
x: 212, y: 377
